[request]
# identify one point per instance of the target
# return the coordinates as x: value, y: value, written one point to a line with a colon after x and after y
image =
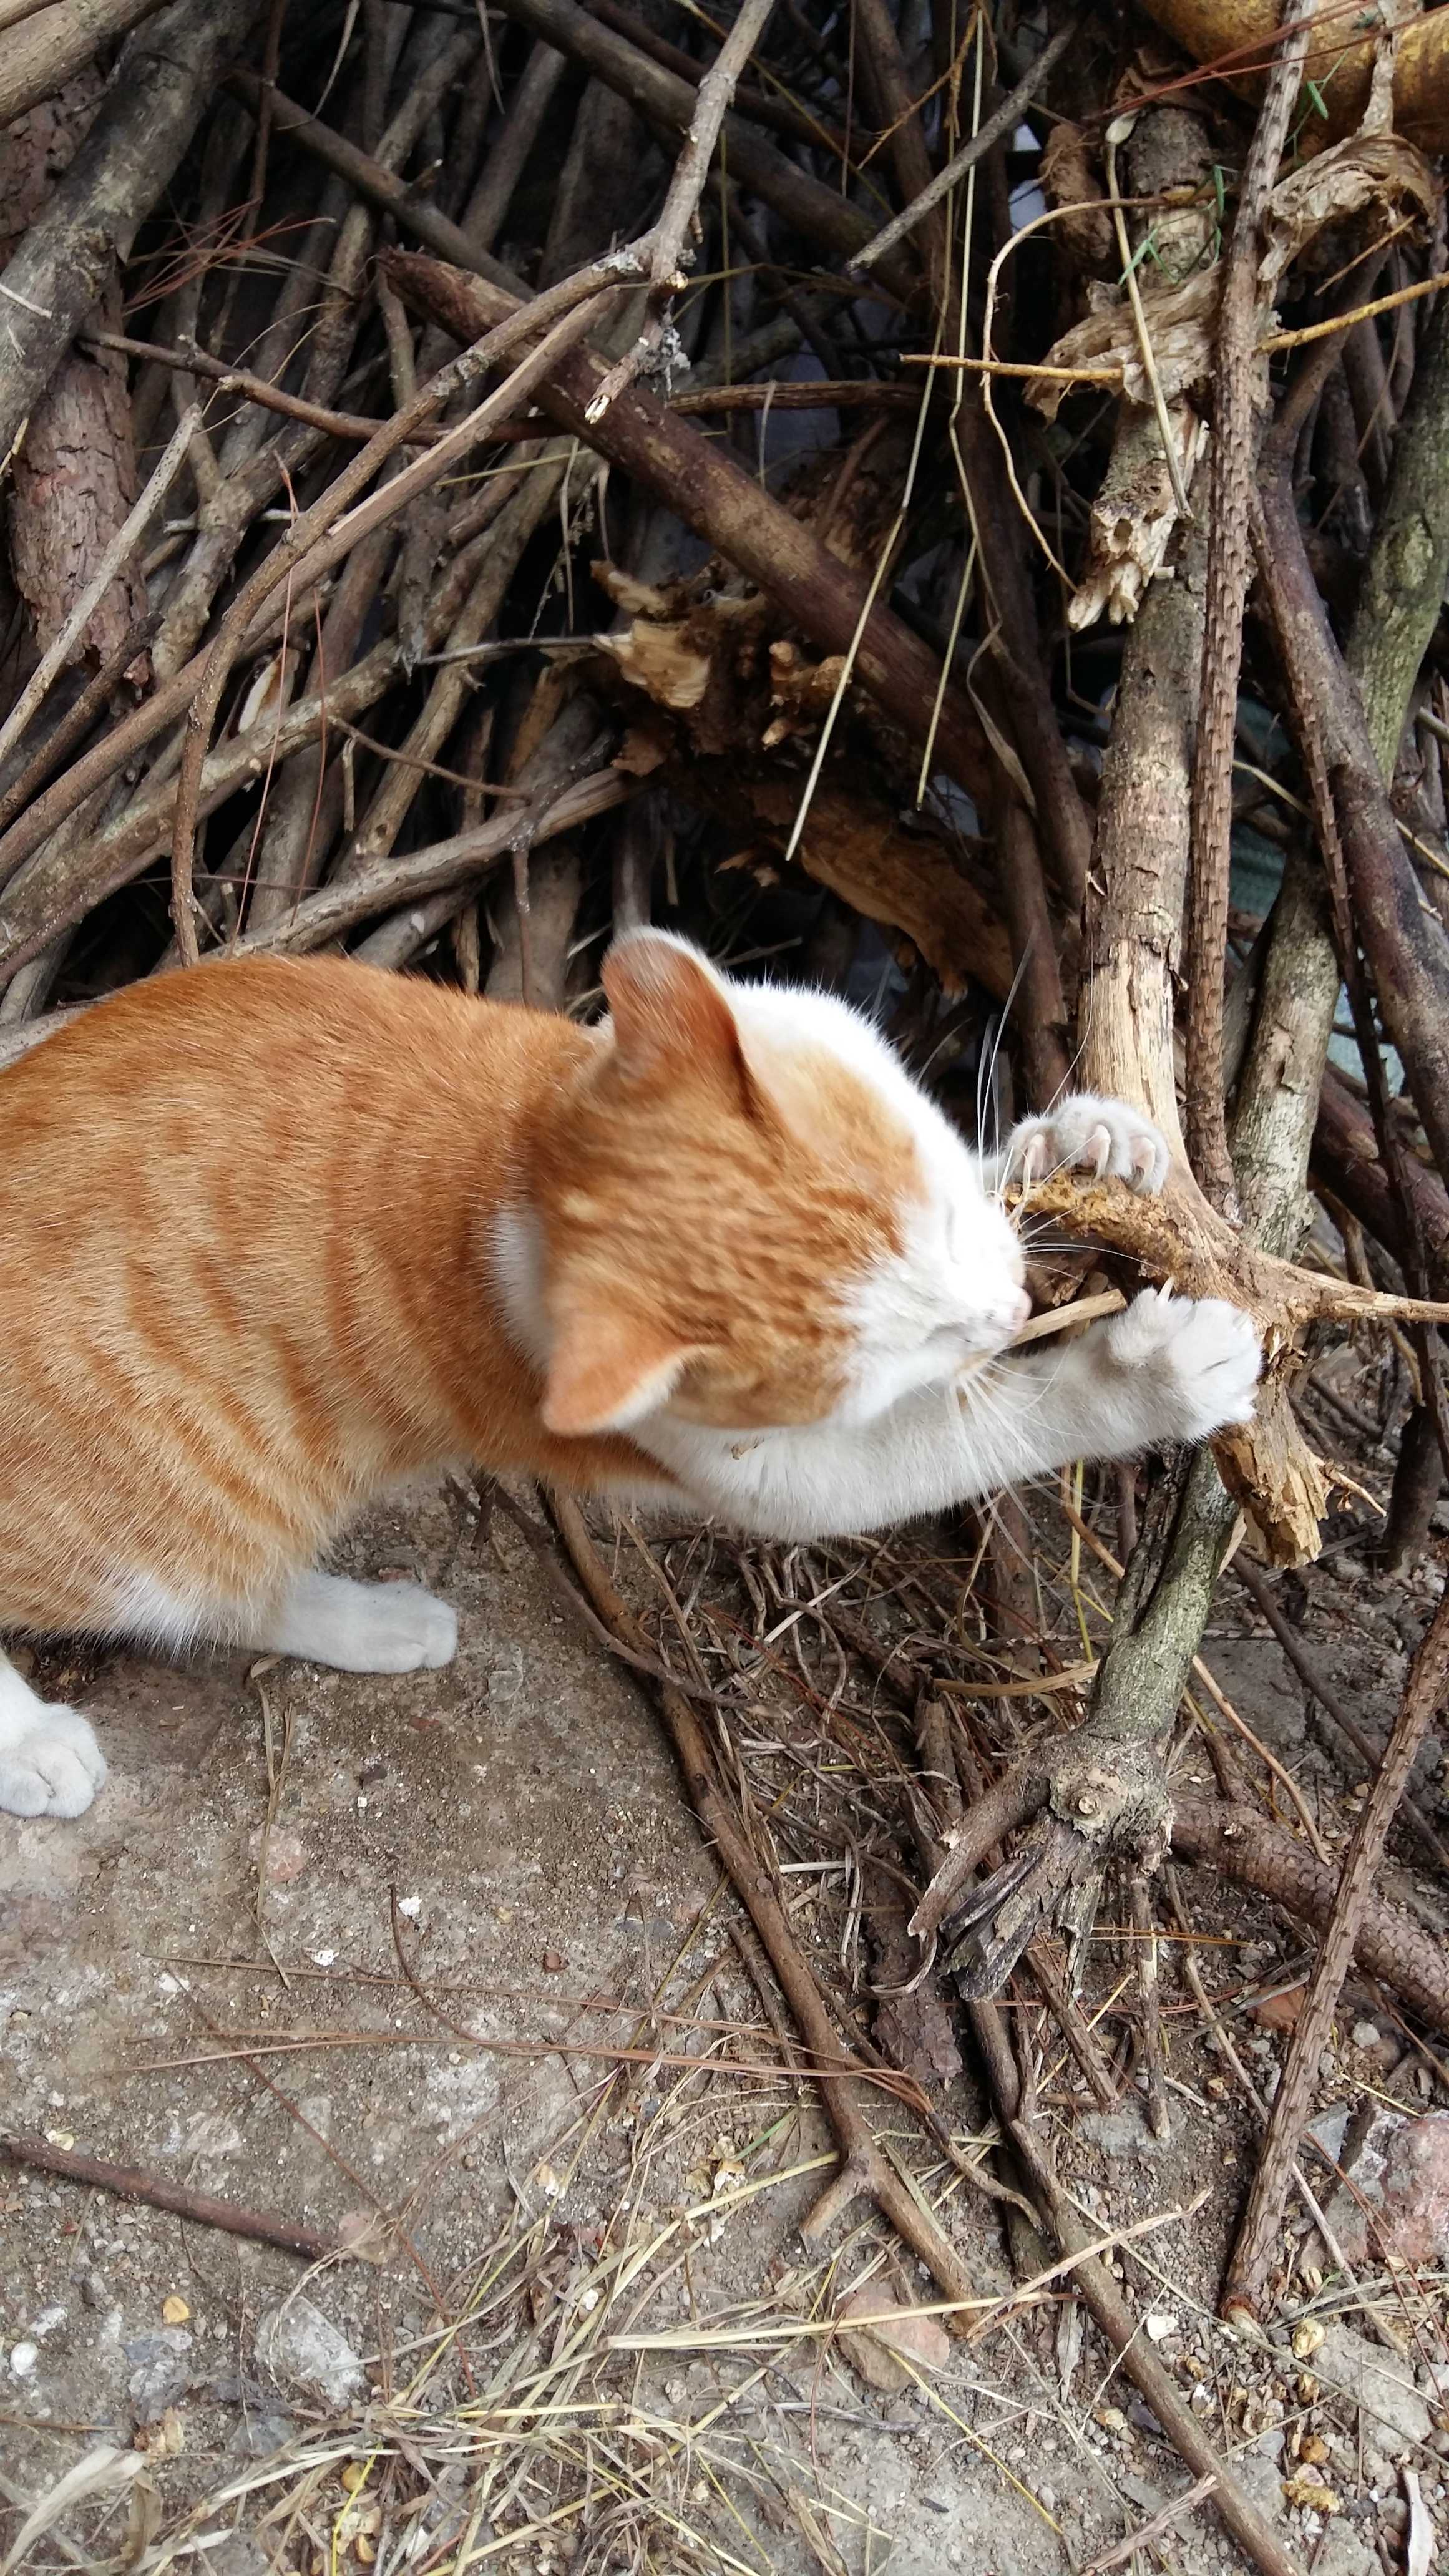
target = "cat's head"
x: 753, y: 1216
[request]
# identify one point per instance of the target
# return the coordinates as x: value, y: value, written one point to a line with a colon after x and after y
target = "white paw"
x: 1084, y: 1134
x: 404, y: 1630
x: 356, y: 1627
x: 1199, y: 1356
x: 51, y: 1768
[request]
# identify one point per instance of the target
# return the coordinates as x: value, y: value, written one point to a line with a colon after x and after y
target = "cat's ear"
x: 671, y: 1013
x: 609, y: 1368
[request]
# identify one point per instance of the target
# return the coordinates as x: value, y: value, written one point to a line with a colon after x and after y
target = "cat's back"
x: 303, y: 1025
x: 263, y: 1062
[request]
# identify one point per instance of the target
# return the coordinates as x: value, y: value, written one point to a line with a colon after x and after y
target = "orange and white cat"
x: 275, y: 1235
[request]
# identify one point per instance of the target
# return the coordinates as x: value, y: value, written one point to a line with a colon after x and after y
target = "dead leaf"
x: 1280, y: 2012
x: 364, y: 2235
x: 1365, y: 170
x: 1068, y: 178
x: 880, y: 2350
x: 1312, y: 2495
x: 174, y: 2311
x: 1180, y: 325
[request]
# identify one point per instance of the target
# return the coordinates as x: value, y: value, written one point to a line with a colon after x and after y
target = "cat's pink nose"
x: 1018, y: 1309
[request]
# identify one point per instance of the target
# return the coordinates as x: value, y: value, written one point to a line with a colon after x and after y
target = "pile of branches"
x: 943, y: 502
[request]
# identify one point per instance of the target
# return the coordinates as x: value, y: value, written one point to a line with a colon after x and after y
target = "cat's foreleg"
x: 50, y: 1762
x: 1166, y: 1370
x: 355, y: 1627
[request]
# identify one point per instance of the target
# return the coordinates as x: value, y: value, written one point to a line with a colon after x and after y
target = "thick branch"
x: 145, y: 122
x: 1240, y: 1844
x: 1402, y: 591
x: 1240, y: 380
x: 1405, y: 947
x: 52, y: 45
x: 1236, y: 36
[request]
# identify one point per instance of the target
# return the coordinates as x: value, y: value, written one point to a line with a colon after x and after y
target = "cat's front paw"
x: 51, y: 1766
x: 1191, y: 1363
x: 1085, y: 1134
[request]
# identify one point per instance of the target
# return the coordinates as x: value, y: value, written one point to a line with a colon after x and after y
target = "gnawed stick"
x: 1178, y: 1239
x: 128, y: 2182
x: 836, y: 2072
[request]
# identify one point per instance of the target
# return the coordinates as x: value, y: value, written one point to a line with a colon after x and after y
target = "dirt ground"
x: 364, y: 1955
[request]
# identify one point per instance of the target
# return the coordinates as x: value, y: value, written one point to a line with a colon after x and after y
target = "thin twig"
x: 1002, y: 120
x: 1311, y: 1674
x: 193, y: 361
x: 681, y: 206
x: 304, y: 553
x: 128, y: 2182
x: 1423, y: 1697
x: 837, y: 2072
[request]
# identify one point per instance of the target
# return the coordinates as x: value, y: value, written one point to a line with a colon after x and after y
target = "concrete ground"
x: 202, y: 1978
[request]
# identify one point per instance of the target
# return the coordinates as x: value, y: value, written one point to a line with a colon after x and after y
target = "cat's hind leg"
x: 355, y: 1627
x: 50, y: 1762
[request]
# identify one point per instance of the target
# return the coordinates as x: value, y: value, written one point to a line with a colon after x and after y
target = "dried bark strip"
x: 1423, y: 1696
x: 116, y: 557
